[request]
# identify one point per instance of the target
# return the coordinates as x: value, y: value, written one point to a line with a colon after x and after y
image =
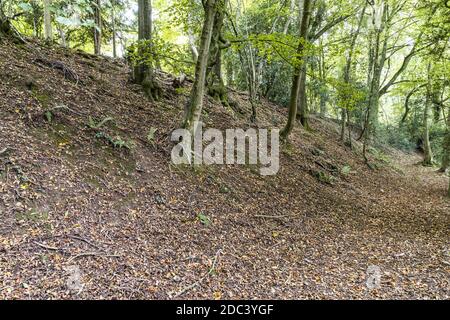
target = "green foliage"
x: 346, y: 170
x: 347, y: 95
x: 325, y: 177
x: 116, y: 142
x: 203, y: 219
x: 151, y: 135
x: 379, y: 155
x: 49, y: 116
x: 93, y: 125
x: 158, y: 51
x: 397, y: 137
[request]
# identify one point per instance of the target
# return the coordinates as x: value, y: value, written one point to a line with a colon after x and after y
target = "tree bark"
x: 97, y: 30
x: 143, y: 73
x: 347, y: 75
x: 214, y: 79
x: 114, y: 36
x: 297, y: 78
x: 195, y: 104
x: 428, y: 153
x: 47, y: 21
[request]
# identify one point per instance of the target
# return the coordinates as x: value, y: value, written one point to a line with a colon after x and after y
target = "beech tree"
x: 195, y: 104
x: 97, y: 29
x: 47, y: 21
x: 144, y: 73
x: 299, y: 69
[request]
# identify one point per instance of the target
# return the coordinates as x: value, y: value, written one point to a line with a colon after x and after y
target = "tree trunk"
x: 144, y: 71
x: 113, y: 22
x: 297, y: 78
x: 98, y: 26
x: 428, y: 154
x: 195, y: 104
x: 343, y: 122
x: 303, y: 112
x: 448, y: 192
x: 214, y: 79
x: 347, y: 75
x: 62, y: 35
x: 446, y: 147
x: 47, y: 21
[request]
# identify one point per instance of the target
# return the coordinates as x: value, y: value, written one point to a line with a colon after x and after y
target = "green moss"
x: 43, y: 98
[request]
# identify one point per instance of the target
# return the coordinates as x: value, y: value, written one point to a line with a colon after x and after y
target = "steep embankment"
x: 82, y: 219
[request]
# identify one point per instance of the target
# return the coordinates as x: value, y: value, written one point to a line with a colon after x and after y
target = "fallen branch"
x: 65, y: 108
x: 47, y: 247
x: 271, y: 217
x: 84, y: 240
x: 89, y: 254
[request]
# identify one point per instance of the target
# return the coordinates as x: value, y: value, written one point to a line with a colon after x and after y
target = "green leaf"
x: 203, y: 219
x: 151, y: 135
x: 25, y: 7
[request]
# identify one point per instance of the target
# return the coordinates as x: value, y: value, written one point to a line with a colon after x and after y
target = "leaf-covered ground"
x: 81, y: 219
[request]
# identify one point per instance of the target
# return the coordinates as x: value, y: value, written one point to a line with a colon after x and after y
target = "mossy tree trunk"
x: 144, y: 73
x: 195, y: 104
x: 214, y: 79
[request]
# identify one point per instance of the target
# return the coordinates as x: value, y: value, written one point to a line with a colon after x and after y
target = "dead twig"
x: 84, y: 240
x: 47, y: 247
x: 271, y: 217
x: 89, y: 254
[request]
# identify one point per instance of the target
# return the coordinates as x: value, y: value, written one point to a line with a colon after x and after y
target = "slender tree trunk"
x: 297, y: 80
x: 322, y: 73
x: 343, y: 123
x: 349, y: 128
x: 303, y: 110
x: 446, y: 147
x: 448, y: 192
x: 192, y: 46
x: 98, y: 26
x: 47, y: 21
x: 114, y: 40
x: 62, y: 35
x: 428, y: 153
x: 347, y: 75
x: 194, y: 107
